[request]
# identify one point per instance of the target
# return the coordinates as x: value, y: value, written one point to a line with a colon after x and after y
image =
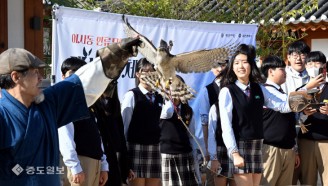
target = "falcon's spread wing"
x: 200, y: 60
x: 146, y: 48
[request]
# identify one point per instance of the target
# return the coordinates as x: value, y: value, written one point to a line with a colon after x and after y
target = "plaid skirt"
x: 223, y: 158
x: 178, y: 169
x: 251, y: 151
x: 145, y: 160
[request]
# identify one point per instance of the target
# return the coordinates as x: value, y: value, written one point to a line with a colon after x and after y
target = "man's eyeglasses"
x: 296, y: 55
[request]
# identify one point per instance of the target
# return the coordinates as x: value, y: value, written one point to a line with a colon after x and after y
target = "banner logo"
x: 17, y: 169
x: 86, y: 55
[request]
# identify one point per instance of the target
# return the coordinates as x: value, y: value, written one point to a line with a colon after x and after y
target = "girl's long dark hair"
x: 228, y: 76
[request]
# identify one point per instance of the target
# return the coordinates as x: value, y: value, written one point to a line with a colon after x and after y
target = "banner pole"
x: 54, y: 45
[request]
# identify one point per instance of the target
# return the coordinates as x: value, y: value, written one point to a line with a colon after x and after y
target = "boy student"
x: 314, y: 144
x: 297, y: 76
x: 209, y: 96
x: 80, y: 143
x: 279, y: 157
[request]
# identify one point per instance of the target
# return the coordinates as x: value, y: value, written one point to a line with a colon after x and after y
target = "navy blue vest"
x: 87, y: 138
x: 144, y: 127
x: 218, y: 132
x: 213, y: 91
x: 279, y: 128
x: 174, y: 135
x: 247, y: 121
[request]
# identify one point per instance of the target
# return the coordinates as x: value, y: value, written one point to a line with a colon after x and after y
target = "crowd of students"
x: 251, y: 136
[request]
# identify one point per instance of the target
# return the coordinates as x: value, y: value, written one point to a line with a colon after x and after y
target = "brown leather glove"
x: 299, y: 100
x: 115, y: 56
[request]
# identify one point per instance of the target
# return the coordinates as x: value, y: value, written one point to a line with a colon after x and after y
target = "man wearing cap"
x: 29, y: 117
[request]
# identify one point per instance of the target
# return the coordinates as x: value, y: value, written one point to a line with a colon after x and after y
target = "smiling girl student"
x: 241, y: 106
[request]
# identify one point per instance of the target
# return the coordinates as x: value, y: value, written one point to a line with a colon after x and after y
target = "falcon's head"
x: 163, y: 47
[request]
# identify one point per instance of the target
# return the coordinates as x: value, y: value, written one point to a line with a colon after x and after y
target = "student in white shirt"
x: 80, y: 143
x: 141, y: 109
x: 241, y: 102
x: 280, y: 155
x: 208, y: 96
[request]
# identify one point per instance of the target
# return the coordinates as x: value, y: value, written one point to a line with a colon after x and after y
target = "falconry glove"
x: 115, y: 56
x: 300, y: 100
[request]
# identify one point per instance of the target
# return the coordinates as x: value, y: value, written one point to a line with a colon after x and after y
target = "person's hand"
x: 297, y: 161
x: 215, y: 164
x: 115, y: 56
x: 131, y: 175
x: 103, y: 178
x: 324, y: 109
x: 78, y: 178
x: 309, y: 111
x: 130, y: 44
x: 238, y: 161
x: 315, y: 82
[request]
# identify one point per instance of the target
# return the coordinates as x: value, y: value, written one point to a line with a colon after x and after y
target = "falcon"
x: 164, y: 79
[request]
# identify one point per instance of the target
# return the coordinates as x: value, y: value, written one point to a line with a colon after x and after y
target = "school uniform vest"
x: 279, y: 128
x: 213, y: 91
x: 318, y: 130
x: 247, y: 122
x: 174, y: 135
x: 218, y: 132
x: 144, y: 127
x: 87, y: 138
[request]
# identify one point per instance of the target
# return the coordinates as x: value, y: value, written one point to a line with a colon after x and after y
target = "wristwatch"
x: 234, y: 151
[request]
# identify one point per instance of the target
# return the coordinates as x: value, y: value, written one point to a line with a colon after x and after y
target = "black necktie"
x: 248, y: 92
x: 150, y: 96
x: 282, y: 91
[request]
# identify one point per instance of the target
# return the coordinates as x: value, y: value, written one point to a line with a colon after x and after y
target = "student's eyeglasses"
x: 296, y: 55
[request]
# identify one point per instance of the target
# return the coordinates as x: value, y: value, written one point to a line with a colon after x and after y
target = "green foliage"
x: 171, y: 9
x: 85, y: 4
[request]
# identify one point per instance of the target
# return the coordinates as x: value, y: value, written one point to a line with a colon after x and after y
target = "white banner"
x: 80, y: 33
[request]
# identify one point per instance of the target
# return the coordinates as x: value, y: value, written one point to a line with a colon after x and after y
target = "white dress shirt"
x: 226, y: 106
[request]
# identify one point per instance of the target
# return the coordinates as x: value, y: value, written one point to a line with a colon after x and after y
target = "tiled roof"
x: 258, y: 9
x: 273, y: 9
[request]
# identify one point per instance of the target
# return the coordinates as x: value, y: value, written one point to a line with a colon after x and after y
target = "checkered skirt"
x: 223, y: 158
x: 145, y: 160
x: 178, y: 169
x: 251, y: 151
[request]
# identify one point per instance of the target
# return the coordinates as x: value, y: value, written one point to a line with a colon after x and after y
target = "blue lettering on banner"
x: 130, y: 69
